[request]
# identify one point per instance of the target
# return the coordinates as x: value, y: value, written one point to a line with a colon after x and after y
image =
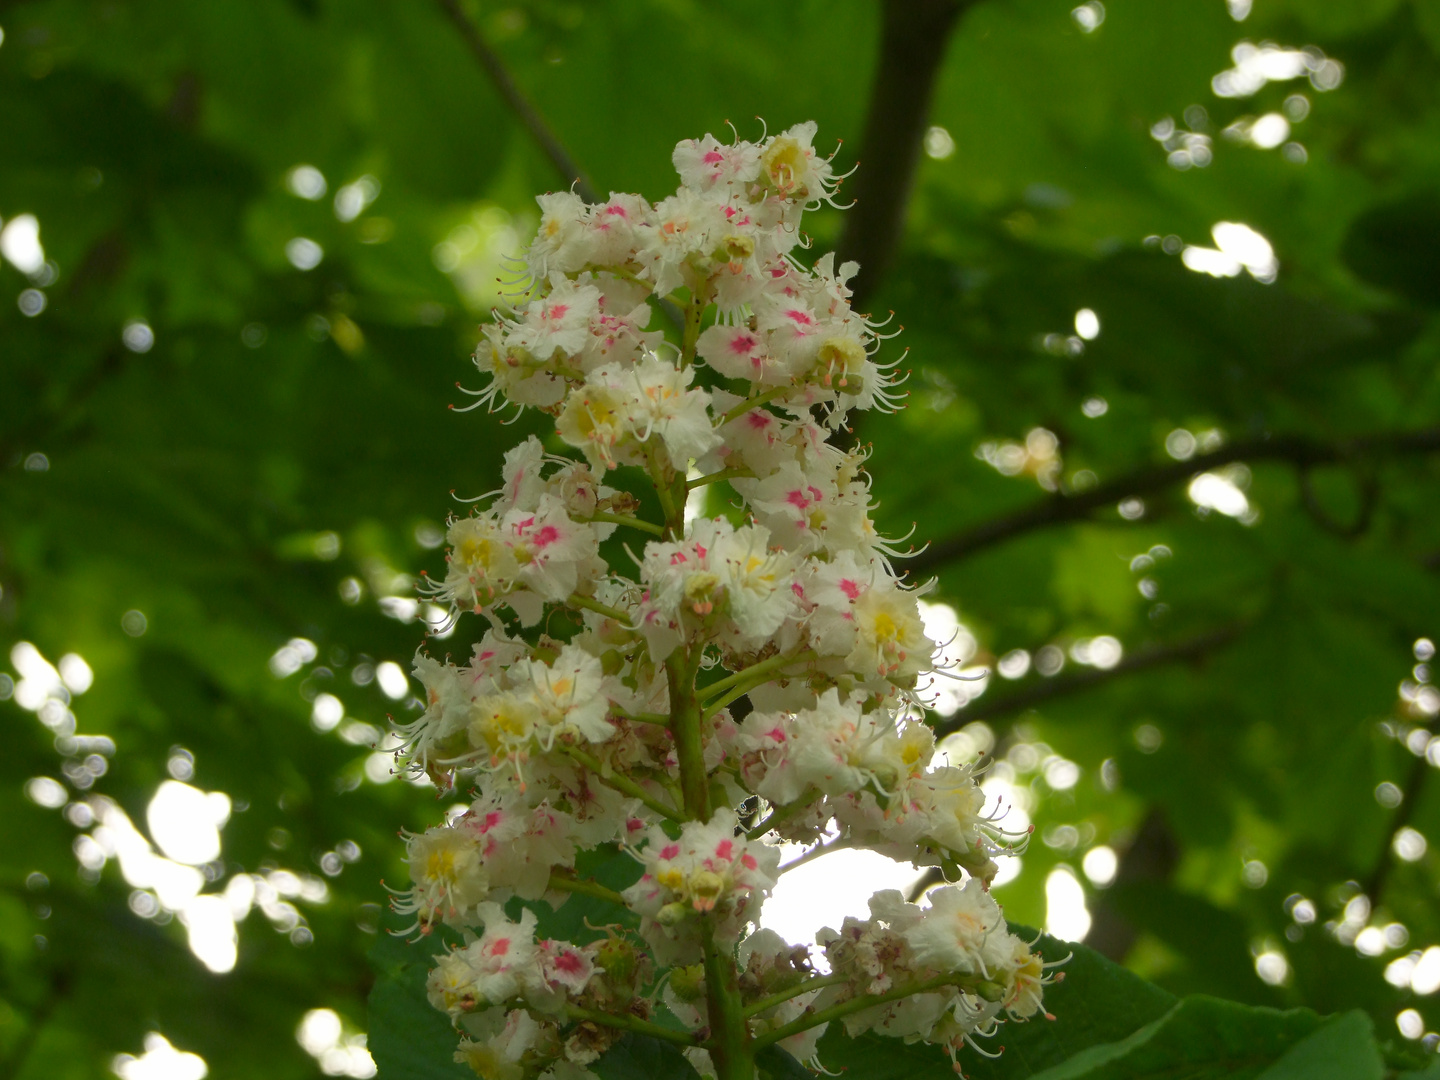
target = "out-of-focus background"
x: 1169, y: 276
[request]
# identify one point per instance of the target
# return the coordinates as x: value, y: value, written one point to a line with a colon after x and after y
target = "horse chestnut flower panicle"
x: 595, y: 712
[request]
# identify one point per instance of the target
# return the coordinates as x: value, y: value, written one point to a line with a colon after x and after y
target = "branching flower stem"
x: 738, y: 692
x: 795, y: 991
x: 634, y: 522
x: 716, y: 477
x: 585, y: 887
x: 755, y: 671
x: 630, y: 1023
x: 600, y: 609
x: 622, y: 784
x: 815, y: 853
x: 854, y: 1005
x: 641, y: 717
x: 753, y: 403
x: 783, y: 814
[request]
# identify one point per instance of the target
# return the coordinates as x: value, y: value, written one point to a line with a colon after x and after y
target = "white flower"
x: 708, y: 163
x: 564, y: 243
x: 449, y: 877
x: 963, y: 930
x: 708, y: 870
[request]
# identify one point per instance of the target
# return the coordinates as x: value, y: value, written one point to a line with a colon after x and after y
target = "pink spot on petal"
x: 724, y: 849
x: 569, y: 962
x: 850, y: 588
x: 669, y: 851
x: 748, y: 861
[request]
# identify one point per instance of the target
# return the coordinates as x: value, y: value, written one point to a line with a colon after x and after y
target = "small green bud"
x: 688, y: 982
x: 707, y: 884
x: 616, y: 957
x: 990, y: 991
x: 672, y: 914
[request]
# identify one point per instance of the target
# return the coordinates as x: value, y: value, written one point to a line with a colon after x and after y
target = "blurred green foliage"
x: 275, y: 459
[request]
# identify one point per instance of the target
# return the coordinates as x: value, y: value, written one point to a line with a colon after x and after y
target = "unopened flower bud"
x: 616, y: 957
x: 688, y: 982
x: 737, y: 247
x: 672, y: 914
x: 706, y: 886
x: 990, y: 991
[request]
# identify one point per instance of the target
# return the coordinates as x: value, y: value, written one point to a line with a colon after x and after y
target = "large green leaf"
x: 1205, y: 1038
x: 409, y: 1038
x: 636, y: 1056
x: 1096, y: 1002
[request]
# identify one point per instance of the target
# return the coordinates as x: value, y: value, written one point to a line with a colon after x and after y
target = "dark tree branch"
x: 1299, y: 451
x: 1140, y: 660
x: 514, y: 97
x: 1369, y: 496
x: 1414, y: 785
x: 913, y: 38
x: 1152, y: 857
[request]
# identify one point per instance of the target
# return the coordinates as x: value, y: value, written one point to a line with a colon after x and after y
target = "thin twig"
x: 625, y: 519
x: 764, y: 667
x: 817, y: 983
x: 855, y: 1004
x: 586, y: 887
x: 1151, y: 656
x: 1410, y: 797
x: 514, y: 97
x: 590, y: 604
x: 630, y: 1023
x: 1059, y: 509
x: 620, y: 783
x: 783, y: 814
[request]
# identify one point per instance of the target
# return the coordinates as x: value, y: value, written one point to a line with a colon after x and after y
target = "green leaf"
x: 776, y: 1064
x: 1097, y: 1002
x: 1344, y: 1049
x: 409, y: 1038
x: 639, y: 1057
x: 1430, y: 1072
x: 1202, y: 1038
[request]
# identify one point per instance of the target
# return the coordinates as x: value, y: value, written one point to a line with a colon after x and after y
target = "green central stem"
x: 730, y: 1045
x: 689, y: 743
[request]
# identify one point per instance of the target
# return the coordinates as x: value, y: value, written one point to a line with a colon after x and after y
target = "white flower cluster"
x: 759, y: 675
x: 902, y: 945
